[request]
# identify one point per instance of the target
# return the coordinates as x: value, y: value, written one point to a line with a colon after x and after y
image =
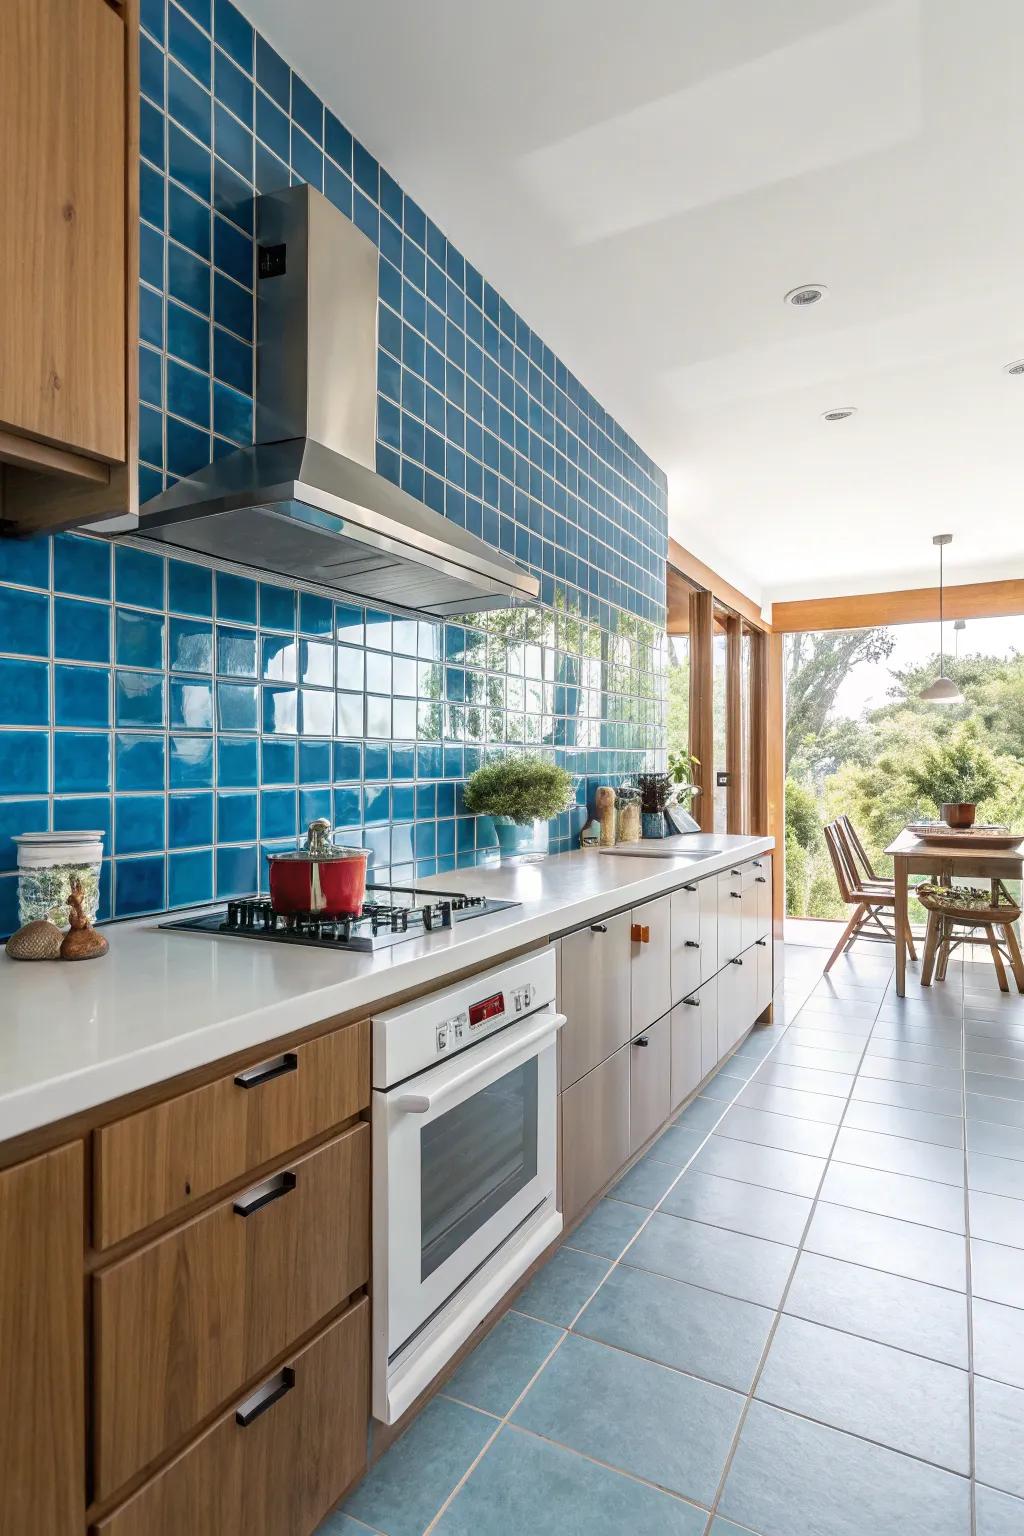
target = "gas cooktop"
x: 391, y: 914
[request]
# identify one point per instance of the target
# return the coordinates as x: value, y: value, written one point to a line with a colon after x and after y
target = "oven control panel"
x: 412, y: 1038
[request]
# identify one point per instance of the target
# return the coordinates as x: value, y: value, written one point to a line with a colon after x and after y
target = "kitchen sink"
x: 656, y: 850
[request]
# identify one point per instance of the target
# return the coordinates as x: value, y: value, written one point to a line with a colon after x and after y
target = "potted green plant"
x: 955, y: 774
x: 680, y: 768
x: 520, y: 794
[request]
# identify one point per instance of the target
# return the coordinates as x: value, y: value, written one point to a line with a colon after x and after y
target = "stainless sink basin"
x: 655, y: 850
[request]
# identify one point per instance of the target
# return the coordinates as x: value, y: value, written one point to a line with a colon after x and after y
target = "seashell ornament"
x: 40, y: 940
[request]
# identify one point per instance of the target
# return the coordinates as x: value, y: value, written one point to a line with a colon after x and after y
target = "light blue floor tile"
x: 701, y: 1115
x: 746, y: 1267
x: 557, y: 1292
x: 525, y: 1487
x: 738, y: 1206
x: 405, y: 1490
x: 676, y: 1146
x: 722, y: 1087
x: 726, y: 1528
x: 997, y: 1514
x: 999, y: 1435
x: 707, y: 1335
x: 608, y: 1228
x: 501, y: 1365
x: 791, y: 1477
x: 342, y: 1525
x: 645, y: 1183
x: 643, y: 1418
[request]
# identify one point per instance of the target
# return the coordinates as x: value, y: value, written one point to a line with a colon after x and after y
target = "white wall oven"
x: 465, y: 1116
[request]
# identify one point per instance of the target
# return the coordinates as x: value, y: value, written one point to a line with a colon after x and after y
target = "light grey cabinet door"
x: 686, y: 941
x: 763, y: 950
x: 706, y: 1000
x: 737, y: 994
x: 594, y: 995
x: 685, y: 1028
x: 730, y: 919
x: 763, y: 883
x: 651, y: 968
x: 595, y: 1131
x: 748, y: 908
x: 649, y: 1082
x: 707, y: 895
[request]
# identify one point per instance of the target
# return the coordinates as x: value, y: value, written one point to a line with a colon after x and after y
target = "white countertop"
x: 164, y: 1002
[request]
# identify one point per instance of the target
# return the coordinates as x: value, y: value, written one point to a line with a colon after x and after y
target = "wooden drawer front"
x: 185, y: 1323
x: 686, y: 941
x: 162, y: 1159
x: 685, y: 1022
x: 649, y: 1082
x: 594, y: 995
x: 651, y: 969
x: 707, y: 894
x: 280, y: 1473
x: 595, y: 1131
x: 763, y: 885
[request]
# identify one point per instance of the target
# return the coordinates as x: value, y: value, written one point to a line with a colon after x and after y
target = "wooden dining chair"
x: 869, y: 901
x: 952, y: 924
x: 860, y: 854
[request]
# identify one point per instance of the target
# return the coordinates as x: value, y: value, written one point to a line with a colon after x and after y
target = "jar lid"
x: 319, y: 846
x: 75, y: 836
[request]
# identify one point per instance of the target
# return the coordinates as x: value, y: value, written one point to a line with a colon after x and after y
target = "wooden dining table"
x: 911, y: 856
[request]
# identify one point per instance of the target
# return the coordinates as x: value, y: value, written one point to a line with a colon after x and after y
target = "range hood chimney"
x: 305, y: 501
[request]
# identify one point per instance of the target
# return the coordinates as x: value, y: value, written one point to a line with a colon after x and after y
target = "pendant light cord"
x: 942, y: 657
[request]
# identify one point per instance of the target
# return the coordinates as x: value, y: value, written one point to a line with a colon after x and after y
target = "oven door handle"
x: 544, y: 1024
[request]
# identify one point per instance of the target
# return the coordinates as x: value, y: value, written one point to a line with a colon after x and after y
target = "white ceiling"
x: 645, y: 181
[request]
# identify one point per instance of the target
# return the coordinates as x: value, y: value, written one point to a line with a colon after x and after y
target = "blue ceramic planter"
x: 520, y: 839
x: 652, y: 824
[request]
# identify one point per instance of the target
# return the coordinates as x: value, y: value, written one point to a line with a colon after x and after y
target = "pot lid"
x: 319, y: 846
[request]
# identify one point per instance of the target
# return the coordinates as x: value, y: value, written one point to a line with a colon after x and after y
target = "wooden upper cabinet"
x: 42, y: 1379
x: 68, y: 174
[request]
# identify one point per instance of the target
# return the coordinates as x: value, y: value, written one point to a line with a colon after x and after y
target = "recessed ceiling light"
x: 807, y: 293
x: 840, y: 413
x: 1017, y: 367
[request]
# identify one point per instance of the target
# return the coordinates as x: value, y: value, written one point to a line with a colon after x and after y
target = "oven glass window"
x: 473, y: 1160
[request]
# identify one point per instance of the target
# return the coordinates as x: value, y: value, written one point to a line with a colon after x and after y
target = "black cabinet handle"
x: 690, y: 944
x: 760, y: 880
x: 735, y: 871
x: 762, y: 942
x: 261, y: 1194
x: 265, y: 1397
x: 736, y: 895
x: 737, y: 962
x: 756, y: 863
x: 689, y: 887
x: 692, y: 1002
x: 252, y: 1077
x: 642, y: 1041
x: 599, y: 927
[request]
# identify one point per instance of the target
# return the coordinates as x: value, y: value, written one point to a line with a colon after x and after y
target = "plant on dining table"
x: 959, y: 770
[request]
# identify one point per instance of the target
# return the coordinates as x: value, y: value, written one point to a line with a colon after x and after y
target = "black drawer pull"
x: 642, y: 1040
x: 760, y: 880
x: 692, y: 1002
x: 737, y: 895
x: 737, y: 962
x: 735, y: 871
x: 690, y: 888
x: 252, y: 1077
x: 261, y: 1194
x: 756, y: 863
x: 599, y: 927
x: 690, y: 944
x: 265, y: 1397
x: 762, y: 942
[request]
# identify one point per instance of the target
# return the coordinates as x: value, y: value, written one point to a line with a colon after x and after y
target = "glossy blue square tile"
x: 348, y: 806
x: 347, y: 761
x: 377, y: 804
x: 81, y: 762
x: 307, y: 159
x: 189, y: 588
x: 272, y: 73
x: 233, y: 33
x: 139, y: 578
x: 8, y: 905
x: 237, y: 871
x: 25, y: 762
x: 24, y: 622
x: 140, y: 698
x: 187, y: 44
x: 232, y: 306
x: 238, y: 760
x: 232, y: 361
x: 24, y: 692
x: 188, y: 220
x: 351, y: 669
x: 188, y: 163
x: 139, y: 885
x: 277, y: 762
x: 81, y: 566
x: 278, y: 658
x: 201, y: 11
x: 236, y: 817
x: 236, y: 652
x: 85, y: 813
x: 232, y: 87
x: 316, y: 614
x: 188, y: 337
x: 139, y: 761
x: 190, y: 764
x: 236, y: 598
x: 189, y: 645
x: 152, y: 15
x: 316, y: 712
x: 232, y: 414
x: 233, y: 250
x: 313, y: 803
x: 190, y: 878
x: 189, y: 820
x: 139, y: 824
x: 314, y: 762
x: 188, y: 103
x: 82, y: 696
x: 151, y: 391
x: 139, y: 638
x: 403, y: 762
x: 25, y: 561
x: 280, y: 709
x: 191, y: 703
x: 17, y: 816
x: 376, y: 761
x: 277, y: 813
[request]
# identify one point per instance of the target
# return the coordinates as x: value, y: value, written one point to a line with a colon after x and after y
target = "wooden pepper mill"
x: 81, y: 942
x: 604, y: 804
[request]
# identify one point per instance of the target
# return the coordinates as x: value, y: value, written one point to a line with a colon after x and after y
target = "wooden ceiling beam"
x: 971, y: 600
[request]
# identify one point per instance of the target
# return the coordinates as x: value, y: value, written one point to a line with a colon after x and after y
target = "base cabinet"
x: 595, y: 1131
x: 685, y: 1022
x: 737, y: 990
x: 279, y: 1459
x: 763, y: 951
x: 649, y: 1082
x: 594, y: 995
x: 650, y: 971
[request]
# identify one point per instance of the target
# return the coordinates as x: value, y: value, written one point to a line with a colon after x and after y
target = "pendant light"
x: 943, y: 690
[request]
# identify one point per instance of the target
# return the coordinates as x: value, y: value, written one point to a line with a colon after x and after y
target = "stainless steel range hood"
x: 305, y: 501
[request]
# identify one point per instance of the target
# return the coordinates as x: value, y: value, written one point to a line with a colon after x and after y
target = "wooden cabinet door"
x: 42, y: 1369
x: 62, y: 208
x: 651, y: 968
x: 763, y: 884
x: 707, y: 892
x: 183, y: 1324
x: 278, y: 1460
x: 595, y: 1131
x: 685, y: 1025
x: 686, y: 942
x: 594, y: 995
x: 649, y: 1082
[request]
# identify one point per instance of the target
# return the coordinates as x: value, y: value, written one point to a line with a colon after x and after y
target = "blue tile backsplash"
x: 201, y: 716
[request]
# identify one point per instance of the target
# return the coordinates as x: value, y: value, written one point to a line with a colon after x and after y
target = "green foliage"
x: 803, y: 818
x: 959, y: 769
x: 816, y: 667
x: 522, y: 788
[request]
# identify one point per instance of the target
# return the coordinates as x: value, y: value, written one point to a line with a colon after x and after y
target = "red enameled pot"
x: 320, y: 878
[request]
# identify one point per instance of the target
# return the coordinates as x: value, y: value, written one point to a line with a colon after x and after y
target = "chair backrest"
x: 859, y: 852
x: 842, y: 862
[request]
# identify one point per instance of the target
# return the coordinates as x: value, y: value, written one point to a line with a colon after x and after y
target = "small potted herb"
x: 956, y: 774
x: 655, y: 794
x: 520, y: 794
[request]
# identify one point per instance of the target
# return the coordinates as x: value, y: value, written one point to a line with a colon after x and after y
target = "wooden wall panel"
x: 702, y: 739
